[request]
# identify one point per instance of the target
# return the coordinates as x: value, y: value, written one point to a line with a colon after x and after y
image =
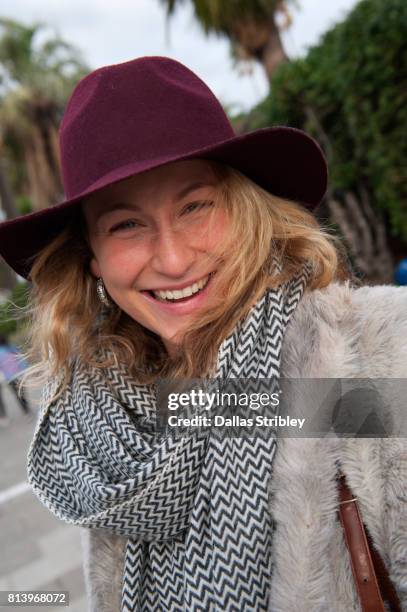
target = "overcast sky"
x: 112, y: 31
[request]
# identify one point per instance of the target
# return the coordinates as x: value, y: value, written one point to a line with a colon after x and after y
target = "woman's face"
x: 150, y: 233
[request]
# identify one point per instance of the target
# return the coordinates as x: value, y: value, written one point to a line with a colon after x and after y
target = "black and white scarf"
x: 195, y: 510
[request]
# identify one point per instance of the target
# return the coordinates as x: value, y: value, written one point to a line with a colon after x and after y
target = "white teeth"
x: 181, y: 293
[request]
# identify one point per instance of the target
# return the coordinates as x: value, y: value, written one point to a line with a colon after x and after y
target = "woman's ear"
x: 94, y: 267
x: 92, y: 262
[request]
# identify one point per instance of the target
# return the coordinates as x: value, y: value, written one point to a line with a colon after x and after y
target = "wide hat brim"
x: 283, y: 160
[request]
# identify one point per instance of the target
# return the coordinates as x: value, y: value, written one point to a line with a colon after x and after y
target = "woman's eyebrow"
x: 127, y: 206
x: 116, y: 206
x: 191, y: 187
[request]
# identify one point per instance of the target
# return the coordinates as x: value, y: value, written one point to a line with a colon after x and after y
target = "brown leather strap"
x: 356, y: 541
x: 387, y: 589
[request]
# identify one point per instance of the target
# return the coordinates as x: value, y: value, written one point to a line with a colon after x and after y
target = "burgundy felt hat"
x: 128, y: 118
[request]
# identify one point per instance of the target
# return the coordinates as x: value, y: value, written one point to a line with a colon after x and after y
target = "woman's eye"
x: 196, y: 205
x: 129, y: 224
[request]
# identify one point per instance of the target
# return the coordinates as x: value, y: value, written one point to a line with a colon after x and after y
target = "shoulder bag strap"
x: 365, y: 559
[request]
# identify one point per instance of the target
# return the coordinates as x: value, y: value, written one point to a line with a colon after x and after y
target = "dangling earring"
x: 100, y: 288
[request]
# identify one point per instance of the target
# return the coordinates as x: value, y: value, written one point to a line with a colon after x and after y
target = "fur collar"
x: 343, y: 332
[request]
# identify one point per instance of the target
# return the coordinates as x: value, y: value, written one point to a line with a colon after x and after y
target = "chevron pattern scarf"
x: 194, y: 510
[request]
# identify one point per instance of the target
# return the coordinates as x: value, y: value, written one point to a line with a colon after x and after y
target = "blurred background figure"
x: 400, y: 276
x: 4, y: 421
x: 12, y: 364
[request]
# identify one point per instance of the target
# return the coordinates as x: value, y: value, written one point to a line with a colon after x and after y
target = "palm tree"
x: 251, y: 26
x: 35, y: 82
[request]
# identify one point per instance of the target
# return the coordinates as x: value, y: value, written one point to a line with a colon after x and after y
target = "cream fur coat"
x: 336, y: 332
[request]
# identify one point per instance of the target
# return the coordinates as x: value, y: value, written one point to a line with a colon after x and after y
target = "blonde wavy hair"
x: 65, y: 319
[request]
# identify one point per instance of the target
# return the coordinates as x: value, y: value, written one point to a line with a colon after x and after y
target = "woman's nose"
x: 172, y: 252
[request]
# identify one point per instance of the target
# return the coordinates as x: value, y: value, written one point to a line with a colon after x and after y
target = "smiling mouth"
x: 177, y: 296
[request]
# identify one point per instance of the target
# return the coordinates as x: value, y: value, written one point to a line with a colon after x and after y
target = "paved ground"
x: 38, y: 551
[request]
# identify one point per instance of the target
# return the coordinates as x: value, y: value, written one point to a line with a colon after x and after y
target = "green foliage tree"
x: 35, y: 82
x: 356, y: 79
x: 350, y: 92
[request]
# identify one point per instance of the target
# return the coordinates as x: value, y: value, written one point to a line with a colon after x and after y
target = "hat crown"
x: 148, y: 108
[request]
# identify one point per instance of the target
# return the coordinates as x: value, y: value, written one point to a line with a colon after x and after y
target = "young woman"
x: 185, y: 251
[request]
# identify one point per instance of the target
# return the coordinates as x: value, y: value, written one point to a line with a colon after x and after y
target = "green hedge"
x: 355, y: 79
